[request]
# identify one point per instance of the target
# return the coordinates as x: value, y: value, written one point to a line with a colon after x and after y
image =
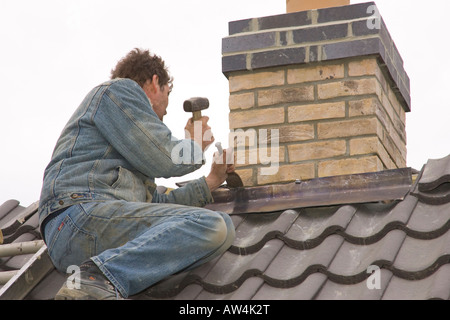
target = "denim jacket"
x: 113, y: 147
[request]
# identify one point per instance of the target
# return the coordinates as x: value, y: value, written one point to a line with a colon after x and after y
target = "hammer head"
x: 196, y: 105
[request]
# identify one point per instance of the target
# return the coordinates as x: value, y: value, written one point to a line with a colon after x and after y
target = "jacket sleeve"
x: 195, y: 193
x: 127, y: 121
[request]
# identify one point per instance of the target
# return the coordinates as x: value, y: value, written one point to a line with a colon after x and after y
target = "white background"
x: 53, y: 52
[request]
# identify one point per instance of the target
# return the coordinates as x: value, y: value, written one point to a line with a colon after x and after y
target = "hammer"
x: 196, y: 105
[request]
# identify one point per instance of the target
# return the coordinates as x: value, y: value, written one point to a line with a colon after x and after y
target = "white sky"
x: 53, y: 52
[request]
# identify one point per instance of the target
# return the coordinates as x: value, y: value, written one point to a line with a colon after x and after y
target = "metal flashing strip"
x: 384, y: 185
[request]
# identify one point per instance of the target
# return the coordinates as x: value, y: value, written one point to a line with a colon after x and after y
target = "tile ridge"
x: 435, y: 173
x: 339, y: 230
x: 424, y: 273
x: 297, y: 280
x: 433, y: 198
x: 428, y: 187
x: 8, y: 206
x: 415, y: 184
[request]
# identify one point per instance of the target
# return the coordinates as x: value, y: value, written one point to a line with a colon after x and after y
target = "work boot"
x: 93, y: 285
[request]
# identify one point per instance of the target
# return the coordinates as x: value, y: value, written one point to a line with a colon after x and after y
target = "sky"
x: 54, y: 52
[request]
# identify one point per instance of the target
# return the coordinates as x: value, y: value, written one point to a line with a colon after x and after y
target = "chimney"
x: 315, y: 93
x: 302, y: 5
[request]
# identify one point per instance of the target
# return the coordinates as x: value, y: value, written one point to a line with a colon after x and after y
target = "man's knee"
x: 222, y: 229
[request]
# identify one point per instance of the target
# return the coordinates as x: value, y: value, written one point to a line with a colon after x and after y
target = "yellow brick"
x: 371, y: 145
x: 397, y: 106
x: 349, y: 166
x: 363, y: 107
x: 316, y: 150
x: 403, y: 116
x: 287, y: 133
x: 348, y: 88
x: 348, y: 128
x: 286, y: 173
x: 386, y: 116
x: 398, y: 139
x: 316, y: 111
x: 246, y: 176
x: 316, y: 73
x: 398, y: 155
x: 285, y: 95
x: 255, y: 80
x: 387, y: 105
x: 292, y: 133
x: 240, y: 138
x: 260, y: 155
x: 253, y: 118
x: 242, y: 101
x: 364, y: 145
x: 364, y: 67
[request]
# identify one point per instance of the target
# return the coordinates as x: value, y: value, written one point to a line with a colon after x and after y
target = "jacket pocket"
x: 128, y: 186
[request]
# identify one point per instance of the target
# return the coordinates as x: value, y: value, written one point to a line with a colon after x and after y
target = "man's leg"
x: 138, y: 244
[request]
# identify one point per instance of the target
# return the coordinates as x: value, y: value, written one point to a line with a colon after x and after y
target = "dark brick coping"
x: 315, y: 36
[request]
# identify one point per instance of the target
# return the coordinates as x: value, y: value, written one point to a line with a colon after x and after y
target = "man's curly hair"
x: 140, y: 65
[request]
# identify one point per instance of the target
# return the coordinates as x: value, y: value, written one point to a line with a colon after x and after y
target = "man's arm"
x: 126, y: 120
x: 198, y: 192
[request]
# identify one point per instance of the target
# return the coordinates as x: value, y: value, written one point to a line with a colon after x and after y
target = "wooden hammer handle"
x: 196, y: 115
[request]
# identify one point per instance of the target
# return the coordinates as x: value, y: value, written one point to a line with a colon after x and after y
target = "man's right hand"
x: 199, y: 131
x: 222, y: 164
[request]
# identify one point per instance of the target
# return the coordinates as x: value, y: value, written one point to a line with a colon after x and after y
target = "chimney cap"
x: 303, y: 5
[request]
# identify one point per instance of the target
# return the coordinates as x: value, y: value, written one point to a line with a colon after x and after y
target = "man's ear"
x: 155, y: 83
x: 151, y: 87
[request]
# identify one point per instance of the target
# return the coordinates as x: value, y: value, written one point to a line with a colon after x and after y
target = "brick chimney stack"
x: 302, y: 5
x: 315, y: 93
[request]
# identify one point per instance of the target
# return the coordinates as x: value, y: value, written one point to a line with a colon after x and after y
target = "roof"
x: 390, y: 247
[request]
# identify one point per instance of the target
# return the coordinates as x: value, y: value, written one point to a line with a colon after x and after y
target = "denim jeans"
x: 137, y: 244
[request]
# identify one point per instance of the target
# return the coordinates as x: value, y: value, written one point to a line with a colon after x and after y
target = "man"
x: 99, y: 207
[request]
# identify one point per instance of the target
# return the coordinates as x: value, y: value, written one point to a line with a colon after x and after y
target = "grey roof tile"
x: 48, y: 287
x: 352, y: 260
x: 436, y: 173
x: 429, y: 220
x: 376, y: 219
x: 314, y: 224
x: 26, y: 232
x: 291, y: 266
x: 190, y: 292
x: 419, y: 258
x: 436, y: 286
x: 305, y: 291
x: 6, y: 208
x: 357, y: 291
x: 325, y: 253
x: 230, y: 268
x: 223, y: 275
x: 244, y: 292
x: 255, y: 227
x: 320, y: 252
x: 434, y: 184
